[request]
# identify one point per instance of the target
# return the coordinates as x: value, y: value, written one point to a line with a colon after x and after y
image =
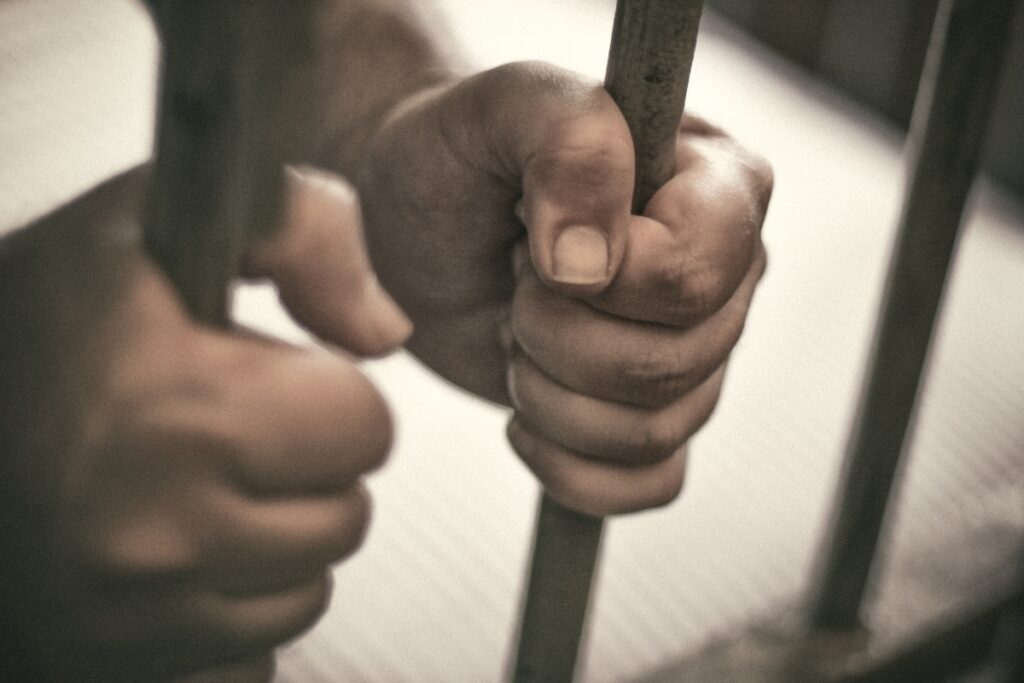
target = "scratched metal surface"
x: 433, y: 595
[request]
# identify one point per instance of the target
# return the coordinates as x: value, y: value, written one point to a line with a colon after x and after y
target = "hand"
x: 173, y: 496
x: 619, y: 325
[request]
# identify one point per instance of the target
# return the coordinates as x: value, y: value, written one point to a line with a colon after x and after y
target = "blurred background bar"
x: 874, y: 50
x: 965, y: 58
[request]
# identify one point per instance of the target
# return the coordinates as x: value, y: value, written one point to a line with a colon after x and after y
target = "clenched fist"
x: 498, y: 214
x: 173, y: 496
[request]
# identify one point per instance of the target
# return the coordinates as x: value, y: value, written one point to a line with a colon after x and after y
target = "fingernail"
x: 580, y: 255
x: 391, y: 325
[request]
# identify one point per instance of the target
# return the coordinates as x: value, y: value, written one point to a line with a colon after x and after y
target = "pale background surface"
x: 434, y: 593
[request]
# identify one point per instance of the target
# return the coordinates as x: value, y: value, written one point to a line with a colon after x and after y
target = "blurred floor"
x: 433, y: 595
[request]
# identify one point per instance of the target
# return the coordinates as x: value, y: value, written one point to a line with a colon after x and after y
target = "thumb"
x: 566, y: 139
x: 318, y: 261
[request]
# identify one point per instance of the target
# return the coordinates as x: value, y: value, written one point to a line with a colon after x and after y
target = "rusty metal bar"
x: 945, y: 143
x: 648, y: 70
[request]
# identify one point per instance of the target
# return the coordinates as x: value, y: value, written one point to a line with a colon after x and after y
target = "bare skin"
x: 498, y: 216
x: 174, y: 496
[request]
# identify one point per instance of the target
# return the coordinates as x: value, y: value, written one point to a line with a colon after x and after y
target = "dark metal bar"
x: 648, y: 70
x: 565, y: 551
x: 911, y: 55
x: 226, y: 118
x: 224, y: 126
x: 945, y: 143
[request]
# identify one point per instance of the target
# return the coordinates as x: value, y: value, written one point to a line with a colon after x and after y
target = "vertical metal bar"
x: 225, y: 120
x: 565, y: 551
x: 913, y: 50
x: 224, y: 129
x: 648, y: 71
x: 945, y: 143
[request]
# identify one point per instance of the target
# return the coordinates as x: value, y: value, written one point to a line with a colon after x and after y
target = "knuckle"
x: 707, y: 289
x: 522, y: 441
x: 656, y: 438
x: 173, y: 436
x: 586, y: 152
x: 379, y: 428
x: 706, y: 401
x: 519, y: 376
x: 285, y: 618
x: 544, y: 80
x: 668, y: 487
x: 516, y: 74
x: 721, y: 344
x: 704, y: 413
x: 689, y: 288
x: 560, y: 487
x: 366, y: 431
x: 651, y: 377
x: 585, y: 140
x: 575, y: 493
x: 311, y: 605
x: 757, y: 170
x: 586, y: 164
x: 762, y: 177
x: 209, y: 444
x: 138, y: 552
x: 353, y: 526
x: 556, y: 477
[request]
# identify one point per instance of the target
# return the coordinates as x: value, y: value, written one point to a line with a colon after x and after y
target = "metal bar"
x: 945, y: 143
x: 224, y: 129
x: 912, y: 52
x: 225, y: 120
x: 565, y: 551
x: 648, y: 70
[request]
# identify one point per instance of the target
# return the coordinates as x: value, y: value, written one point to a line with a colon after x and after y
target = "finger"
x: 291, y: 422
x: 318, y: 262
x: 263, y: 546
x: 245, y: 626
x: 698, y: 238
x: 614, y: 432
x: 224, y: 538
x: 565, y: 140
x: 614, y: 359
x: 597, y: 488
